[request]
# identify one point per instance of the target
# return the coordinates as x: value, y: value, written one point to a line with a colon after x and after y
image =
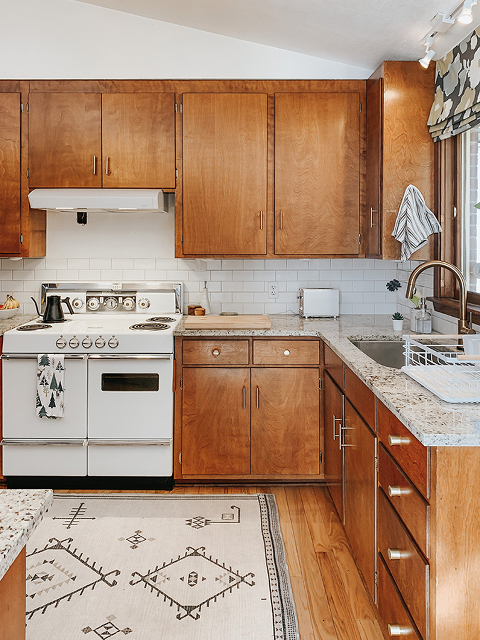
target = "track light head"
x: 425, y: 61
x: 465, y: 16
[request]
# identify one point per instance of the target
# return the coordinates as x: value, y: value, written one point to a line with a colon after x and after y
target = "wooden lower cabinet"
x: 216, y: 421
x: 333, y: 400
x: 285, y: 421
x: 360, y: 445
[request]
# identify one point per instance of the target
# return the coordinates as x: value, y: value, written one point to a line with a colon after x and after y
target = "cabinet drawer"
x: 411, y: 455
x: 215, y: 352
x: 334, y: 366
x: 394, y: 618
x: 286, y: 352
x: 406, y: 500
x: 405, y: 563
x: 361, y: 397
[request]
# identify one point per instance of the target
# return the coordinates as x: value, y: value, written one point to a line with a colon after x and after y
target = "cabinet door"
x: 333, y: 462
x: 216, y: 421
x: 374, y: 163
x: 138, y: 137
x: 317, y: 173
x: 285, y: 421
x: 10, y: 173
x: 65, y: 140
x: 360, y: 490
x: 224, y: 174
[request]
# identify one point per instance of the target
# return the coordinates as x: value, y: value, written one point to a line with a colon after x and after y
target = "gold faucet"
x: 463, y: 327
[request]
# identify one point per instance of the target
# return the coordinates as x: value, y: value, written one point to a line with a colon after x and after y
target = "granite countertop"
x: 433, y: 421
x: 20, y: 512
x: 15, y: 321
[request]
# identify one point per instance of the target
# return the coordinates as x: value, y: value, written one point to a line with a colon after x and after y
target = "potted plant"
x: 397, y: 321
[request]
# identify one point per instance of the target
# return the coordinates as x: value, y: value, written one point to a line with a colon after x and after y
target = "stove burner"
x: 149, y: 326
x: 34, y: 327
x: 161, y: 319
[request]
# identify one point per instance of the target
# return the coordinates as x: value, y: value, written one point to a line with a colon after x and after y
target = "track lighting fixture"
x: 425, y: 61
x: 465, y: 16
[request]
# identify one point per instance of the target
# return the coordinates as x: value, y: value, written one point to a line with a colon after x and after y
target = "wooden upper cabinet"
x: 224, y: 174
x: 65, y: 147
x: 317, y: 173
x: 285, y: 421
x: 138, y: 138
x: 10, y: 173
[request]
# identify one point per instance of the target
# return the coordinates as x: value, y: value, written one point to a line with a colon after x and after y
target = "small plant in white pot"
x: 397, y: 321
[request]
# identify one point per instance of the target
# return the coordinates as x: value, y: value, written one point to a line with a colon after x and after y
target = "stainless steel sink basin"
x: 389, y: 353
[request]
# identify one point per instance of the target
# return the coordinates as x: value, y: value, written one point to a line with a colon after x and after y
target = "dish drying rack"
x: 438, y: 364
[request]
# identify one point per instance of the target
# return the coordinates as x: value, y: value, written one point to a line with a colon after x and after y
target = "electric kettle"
x: 53, y: 309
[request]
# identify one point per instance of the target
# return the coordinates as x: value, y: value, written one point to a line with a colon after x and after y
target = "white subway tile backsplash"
x: 155, y: 274
x: 111, y: 274
x: 243, y: 276
x: 375, y: 274
x: 22, y: 274
x: 253, y: 308
x: 311, y: 276
x: 221, y: 276
x: 121, y: 263
x: 67, y: 275
x: 256, y: 265
x: 344, y: 263
x: 12, y: 285
x: 232, y: 265
x: 232, y: 286
x: 384, y: 307
x: 284, y: 275
x: 254, y: 286
x: 363, y: 308
x: 132, y: 275
x: 347, y: 296
x: 264, y: 276
x: 12, y: 265
x: 34, y: 263
x: 275, y: 307
x: 144, y: 263
x: 171, y: 263
x: 78, y: 263
x: 98, y: 263
x: 177, y: 276
x: 89, y: 275
x: 6, y: 275
x: 353, y: 274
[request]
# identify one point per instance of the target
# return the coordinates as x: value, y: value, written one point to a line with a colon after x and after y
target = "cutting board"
x: 228, y: 322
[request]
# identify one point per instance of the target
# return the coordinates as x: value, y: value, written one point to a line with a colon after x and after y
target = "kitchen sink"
x: 389, y: 353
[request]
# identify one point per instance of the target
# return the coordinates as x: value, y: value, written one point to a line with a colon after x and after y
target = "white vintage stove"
x: 117, y: 429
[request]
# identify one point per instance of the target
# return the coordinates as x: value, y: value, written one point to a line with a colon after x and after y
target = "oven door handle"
x: 34, y: 443
x: 143, y: 356
x: 34, y: 356
x: 165, y: 442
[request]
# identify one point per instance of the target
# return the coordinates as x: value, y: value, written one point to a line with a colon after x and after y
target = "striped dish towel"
x: 415, y: 222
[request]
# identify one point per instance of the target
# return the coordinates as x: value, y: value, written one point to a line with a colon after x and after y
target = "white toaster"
x: 319, y: 303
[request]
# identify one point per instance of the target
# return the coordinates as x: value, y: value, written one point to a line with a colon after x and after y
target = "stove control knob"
x: 93, y: 304
x: 77, y: 303
x: 111, y: 304
x: 144, y: 303
x: 87, y: 342
x: 100, y: 342
x: 113, y: 342
x: 129, y: 304
x: 61, y: 343
x: 74, y: 342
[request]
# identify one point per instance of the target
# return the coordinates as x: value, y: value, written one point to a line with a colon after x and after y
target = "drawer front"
x: 334, y: 366
x: 286, y: 352
x: 136, y: 459
x: 411, y: 455
x: 32, y: 459
x: 361, y: 397
x: 215, y: 352
x: 394, y: 618
x: 406, y: 500
x: 405, y: 563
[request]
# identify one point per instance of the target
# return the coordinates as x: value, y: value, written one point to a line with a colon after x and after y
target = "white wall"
x: 66, y: 39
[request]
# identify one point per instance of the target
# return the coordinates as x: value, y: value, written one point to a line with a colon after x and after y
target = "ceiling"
x: 361, y: 33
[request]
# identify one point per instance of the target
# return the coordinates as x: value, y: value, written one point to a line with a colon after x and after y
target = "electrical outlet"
x: 272, y: 290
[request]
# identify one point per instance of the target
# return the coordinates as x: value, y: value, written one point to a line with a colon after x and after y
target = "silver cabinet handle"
x: 398, y: 440
x: 398, y: 630
x: 244, y: 392
x: 372, y: 211
x: 342, y: 444
x: 398, y: 491
x: 144, y: 356
x: 163, y: 442
x: 35, y: 443
x: 261, y: 219
x: 215, y: 353
x: 107, y: 163
x: 34, y: 356
x: 94, y: 165
x: 258, y: 398
x: 281, y: 219
x: 397, y: 554
x: 336, y: 435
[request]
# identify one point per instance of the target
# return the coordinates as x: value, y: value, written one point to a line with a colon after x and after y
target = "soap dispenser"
x: 204, y: 298
x: 423, y: 319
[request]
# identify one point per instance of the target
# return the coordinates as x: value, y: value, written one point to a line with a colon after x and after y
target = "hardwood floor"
x: 331, y: 600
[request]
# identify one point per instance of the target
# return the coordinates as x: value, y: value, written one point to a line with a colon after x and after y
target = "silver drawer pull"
x: 398, y: 630
x: 215, y: 353
x: 163, y: 442
x: 145, y: 356
x: 398, y: 491
x: 397, y: 554
x: 35, y: 443
x: 34, y: 356
x: 286, y: 352
x: 398, y: 440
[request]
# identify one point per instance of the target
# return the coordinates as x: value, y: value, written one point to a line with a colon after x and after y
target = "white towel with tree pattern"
x: 50, y: 386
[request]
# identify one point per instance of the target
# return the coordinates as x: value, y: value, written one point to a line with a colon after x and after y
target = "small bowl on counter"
x: 7, y: 313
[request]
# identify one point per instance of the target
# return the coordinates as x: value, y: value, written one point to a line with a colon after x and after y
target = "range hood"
x: 83, y: 200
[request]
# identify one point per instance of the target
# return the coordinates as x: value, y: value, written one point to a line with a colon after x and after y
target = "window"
x: 470, y: 196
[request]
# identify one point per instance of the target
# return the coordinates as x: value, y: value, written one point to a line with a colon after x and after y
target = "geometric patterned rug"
x: 159, y: 567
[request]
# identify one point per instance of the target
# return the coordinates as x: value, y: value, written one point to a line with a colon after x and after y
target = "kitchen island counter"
x: 433, y: 421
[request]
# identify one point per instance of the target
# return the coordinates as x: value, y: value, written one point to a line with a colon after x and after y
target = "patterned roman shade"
x: 456, y: 107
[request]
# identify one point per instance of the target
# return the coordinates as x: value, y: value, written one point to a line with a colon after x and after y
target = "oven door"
x: 130, y: 397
